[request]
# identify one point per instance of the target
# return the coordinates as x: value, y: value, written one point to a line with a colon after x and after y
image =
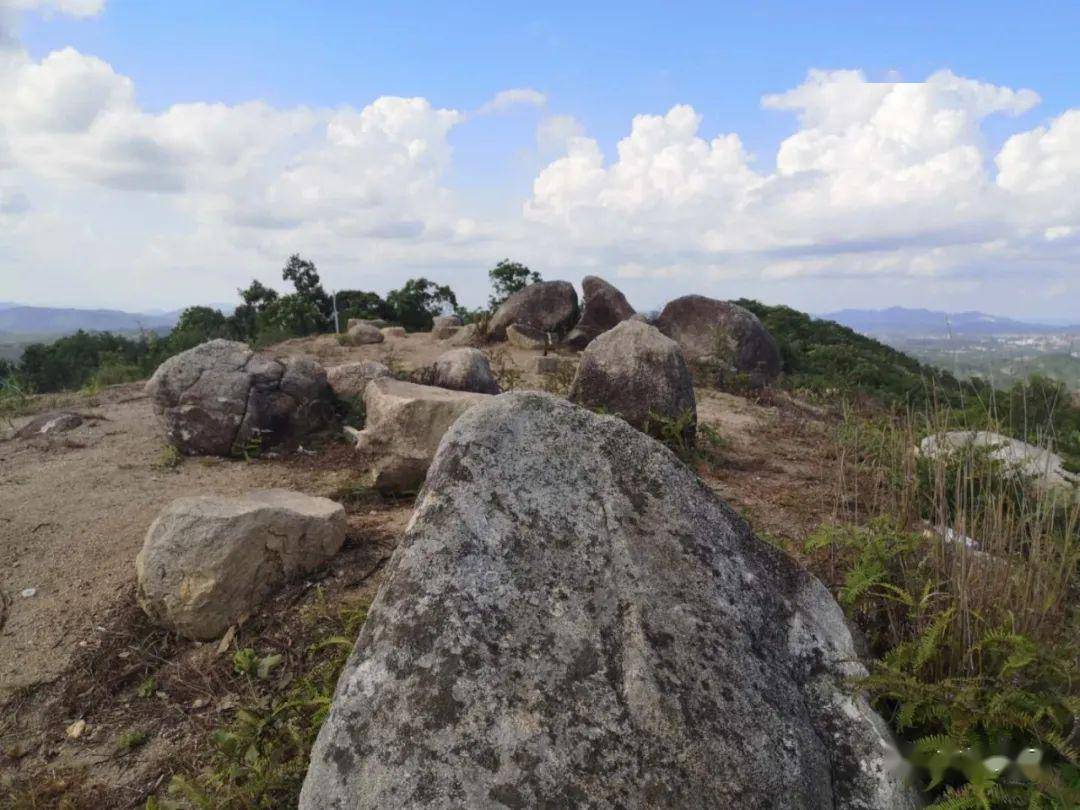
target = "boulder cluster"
x: 573, y: 618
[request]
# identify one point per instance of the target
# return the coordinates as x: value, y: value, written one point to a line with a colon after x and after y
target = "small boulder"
x: 49, y: 424
x: 550, y: 306
x: 349, y: 380
x: 445, y: 326
x: 377, y: 323
x: 711, y: 331
x: 603, y: 307
x: 467, y: 335
x: 635, y: 372
x: 221, y: 395
x: 394, y: 331
x: 574, y: 619
x: 404, y: 423
x: 526, y: 337
x: 465, y: 370
x: 361, y: 334
x: 209, y: 560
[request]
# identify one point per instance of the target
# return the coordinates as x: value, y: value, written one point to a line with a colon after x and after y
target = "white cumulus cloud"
x: 514, y: 97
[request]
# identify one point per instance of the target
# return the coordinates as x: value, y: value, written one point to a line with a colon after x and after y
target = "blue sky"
x: 600, y: 65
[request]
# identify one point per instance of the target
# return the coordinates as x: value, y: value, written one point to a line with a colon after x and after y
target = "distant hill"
x: 53, y: 322
x: 900, y: 321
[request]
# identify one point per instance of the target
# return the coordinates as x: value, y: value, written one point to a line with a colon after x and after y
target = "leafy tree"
x: 417, y: 303
x: 507, y: 278
x: 197, y: 325
x: 288, y: 316
x: 255, y: 298
x: 361, y: 304
x: 305, y: 279
x: 72, y: 361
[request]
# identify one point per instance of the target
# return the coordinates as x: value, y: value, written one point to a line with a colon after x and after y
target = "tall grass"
x: 962, y: 571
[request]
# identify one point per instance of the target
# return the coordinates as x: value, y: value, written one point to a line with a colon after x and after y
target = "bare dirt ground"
x: 74, y: 511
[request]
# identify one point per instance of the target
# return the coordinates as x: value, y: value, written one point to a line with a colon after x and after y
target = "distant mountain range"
x: 903, y: 322
x: 52, y: 321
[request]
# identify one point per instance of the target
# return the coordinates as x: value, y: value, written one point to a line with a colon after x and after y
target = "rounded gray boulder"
x: 573, y: 619
x: 635, y: 372
x: 550, y: 306
x: 723, y: 333
x: 221, y: 395
x: 464, y: 369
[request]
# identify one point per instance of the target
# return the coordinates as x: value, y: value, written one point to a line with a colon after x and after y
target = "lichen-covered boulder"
x: 221, y: 395
x: 573, y: 619
x: 209, y: 560
x: 404, y: 423
x: 526, y: 337
x: 464, y: 369
x: 445, y: 326
x: 550, y: 306
x: 349, y: 380
x: 362, y: 333
x: 721, y: 333
x: 635, y: 372
x: 602, y: 308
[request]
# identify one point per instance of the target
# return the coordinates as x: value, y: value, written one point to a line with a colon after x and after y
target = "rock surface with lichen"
x: 573, y: 619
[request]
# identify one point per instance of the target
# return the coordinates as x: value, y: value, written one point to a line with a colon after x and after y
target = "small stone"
x: 26, y: 593
x: 76, y: 729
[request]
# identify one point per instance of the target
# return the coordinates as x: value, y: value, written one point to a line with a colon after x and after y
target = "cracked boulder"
x: 721, y: 334
x: 603, y: 308
x: 574, y: 619
x: 550, y: 306
x: 207, y: 561
x: 221, y: 396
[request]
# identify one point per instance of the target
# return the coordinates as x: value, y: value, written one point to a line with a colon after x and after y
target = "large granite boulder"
x: 465, y: 369
x: 573, y: 619
x: 721, y: 333
x: 602, y: 308
x: 221, y: 395
x: 404, y: 423
x: 550, y: 306
x: 635, y: 372
x: 349, y: 380
x: 209, y: 560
